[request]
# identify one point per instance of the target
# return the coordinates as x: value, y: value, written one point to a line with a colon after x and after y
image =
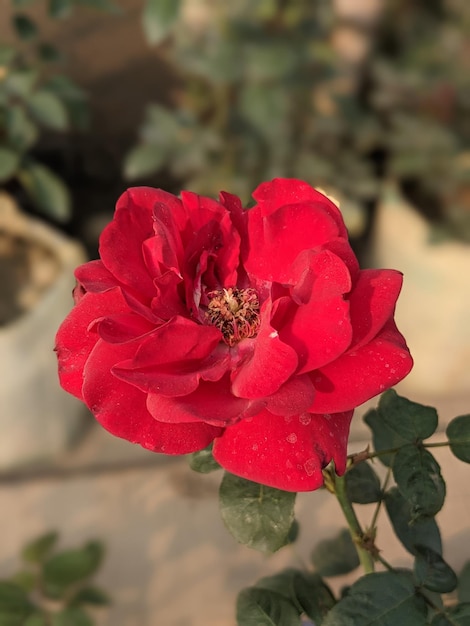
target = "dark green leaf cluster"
x: 34, y: 100
x: 50, y: 575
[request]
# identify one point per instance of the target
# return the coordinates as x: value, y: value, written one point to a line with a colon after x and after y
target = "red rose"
x: 254, y: 329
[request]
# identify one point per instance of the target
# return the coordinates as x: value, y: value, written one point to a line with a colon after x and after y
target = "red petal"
x: 276, y: 239
x: 94, y: 277
x: 286, y: 453
x: 270, y: 364
x: 293, y: 397
x: 318, y: 276
x: 282, y: 191
x: 121, y: 327
x: 121, y: 408
x: 361, y: 374
x: 74, y: 341
x: 172, y: 359
x: 373, y: 303
x: 212, y: 403
x: 121, y: 241
x: 319, y: 329
x: 319, y: 332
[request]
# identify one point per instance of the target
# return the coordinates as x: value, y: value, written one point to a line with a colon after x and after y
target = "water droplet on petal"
x: 310, y: 466
x: 254, y: 447
x: 305, y: 419
x: 292, y: 438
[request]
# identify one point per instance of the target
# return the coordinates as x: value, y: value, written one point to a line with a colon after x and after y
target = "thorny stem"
x: 355, y: 529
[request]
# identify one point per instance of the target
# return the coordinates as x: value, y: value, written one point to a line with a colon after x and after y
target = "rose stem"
x: 355, y: 529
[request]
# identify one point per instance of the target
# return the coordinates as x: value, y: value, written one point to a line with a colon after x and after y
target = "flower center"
x: 235, y: 312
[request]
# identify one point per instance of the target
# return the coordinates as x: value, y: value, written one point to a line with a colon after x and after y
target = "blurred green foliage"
x: 53, y: 587
x: 35, y: 99
x: 265, y: 93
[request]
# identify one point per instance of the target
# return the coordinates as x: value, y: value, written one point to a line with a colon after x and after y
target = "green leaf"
x: 293, y: 533
x: 39, y: 549
x: 11, y: 619
x: 47, y: 191
x: 270, y: 60
x: 36, y: 619
x: 25, y: 579
x: 7, y: 54
x: 49, y: 53
x: 14, y: 599
x: 313, y: 595
x: 335, y: 556
x: 203, y: 461
x: 258, y: 516
x: 22, y: 132
x: 418, y: 477
x: 158, y: 18
x: 71, y: 617
x: 463, y: 589
x: 143, y: 160
x: 91, y: 595
x: 9, y: 163
x: 60, y: 8
x: 432, y: 571
x: 70, y: 567
x: 48, y: 109
x: 74, y: 99
x: 267, y: 112
x: 21, y: 82
x: 18, y: 4
x: 383, y: 437
x: 363, y: 484
x: 101, y: 5
x: 281, y: 583
x: 305, y: 590
x: 424, y: 531
x: 261, y: 607
x: 380, y: 599
x: 410, y: 420
x: 25, y: 27
x: 456, y: 616
x: 458, y: 433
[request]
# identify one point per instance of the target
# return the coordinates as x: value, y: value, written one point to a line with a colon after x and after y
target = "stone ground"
x: 169, y: 558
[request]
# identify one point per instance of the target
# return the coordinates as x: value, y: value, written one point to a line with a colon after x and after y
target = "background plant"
x: 53, y: 588
x: 37, y: 99
x: 419, y: 89
x: 258, y: 100
x: 265, y: 93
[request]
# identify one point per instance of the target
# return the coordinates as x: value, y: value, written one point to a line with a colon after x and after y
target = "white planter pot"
x: 37, y: 418
x: 433, y: 310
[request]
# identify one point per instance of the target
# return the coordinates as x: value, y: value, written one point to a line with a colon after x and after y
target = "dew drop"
x: 254, y: 447
x: 305, y: 419
x: 310, y: 466
x: 292, y: 438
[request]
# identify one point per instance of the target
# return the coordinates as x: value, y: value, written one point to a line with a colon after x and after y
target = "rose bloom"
x: 253, y: 329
